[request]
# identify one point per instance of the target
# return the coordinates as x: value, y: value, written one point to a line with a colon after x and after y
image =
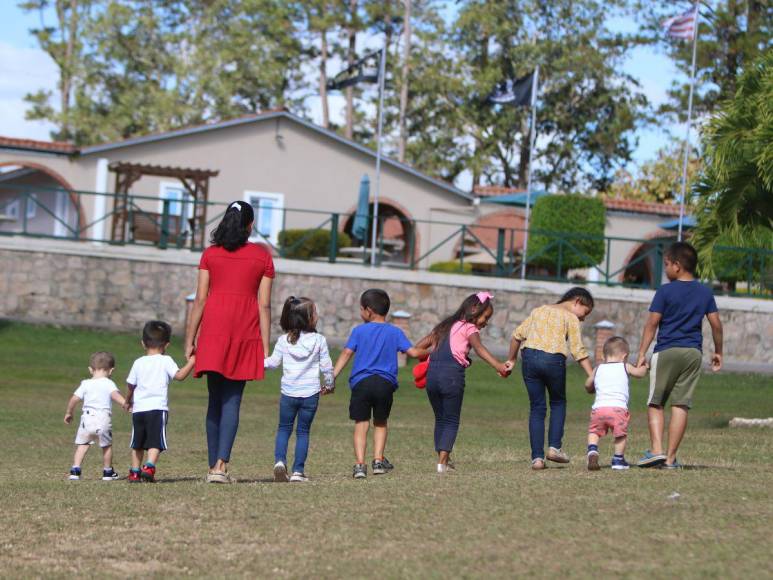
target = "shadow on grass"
x: 181, y: 479
x: 5, y: 324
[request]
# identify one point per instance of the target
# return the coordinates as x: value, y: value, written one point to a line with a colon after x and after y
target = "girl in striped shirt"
x: 304, y: 355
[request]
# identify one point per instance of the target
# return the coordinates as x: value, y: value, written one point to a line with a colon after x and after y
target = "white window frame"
x: 164, y: 191
x: 63, y: 213
x: 276, y: 219
x: 32, y: 206
x: 13, y: 209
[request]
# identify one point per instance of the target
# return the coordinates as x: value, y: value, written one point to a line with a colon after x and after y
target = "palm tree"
x: 735, y: 189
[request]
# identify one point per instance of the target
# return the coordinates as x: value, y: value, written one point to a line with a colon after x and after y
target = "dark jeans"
x: 289, y: 408
x: 445, y: 389
x: 225, y: 398
x: 545, y: 371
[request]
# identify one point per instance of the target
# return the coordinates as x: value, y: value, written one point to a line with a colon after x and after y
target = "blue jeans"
x: 543, y: 371
x: 225, y: 399
x: 289, y: 408
x: 445, y: 390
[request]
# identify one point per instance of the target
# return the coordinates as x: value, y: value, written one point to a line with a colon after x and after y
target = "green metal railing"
x: 560, y: 256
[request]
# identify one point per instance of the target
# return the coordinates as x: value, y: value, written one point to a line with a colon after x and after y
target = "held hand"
x: 189, y: 350
x: 642, y: 360
x: 716, y: 362
x: 67, y: 418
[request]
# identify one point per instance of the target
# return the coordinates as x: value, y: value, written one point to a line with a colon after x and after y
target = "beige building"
x: 295, y: 173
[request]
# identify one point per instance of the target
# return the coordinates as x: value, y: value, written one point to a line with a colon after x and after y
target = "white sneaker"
x: 442, y: 468
x: 280, y: 472
x: 297, y: 476
x: 557, y: 455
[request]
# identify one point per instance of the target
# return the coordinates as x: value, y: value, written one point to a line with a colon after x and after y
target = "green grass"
x: 493, y: 517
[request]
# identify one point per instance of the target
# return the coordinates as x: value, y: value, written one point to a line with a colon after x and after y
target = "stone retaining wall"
x: 76, y: 283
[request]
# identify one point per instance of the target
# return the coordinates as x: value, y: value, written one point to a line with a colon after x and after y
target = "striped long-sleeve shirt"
x: 302, y: 364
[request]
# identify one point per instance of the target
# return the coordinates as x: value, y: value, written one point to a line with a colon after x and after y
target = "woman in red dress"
x: 229, y: 327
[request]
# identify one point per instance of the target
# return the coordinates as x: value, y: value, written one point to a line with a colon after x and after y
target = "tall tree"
x: 731, y: 35
x: 735, y: 189
x: 657, y: 180
x: 588, y: 108
x: 63, y: 42
x: 405, y: 79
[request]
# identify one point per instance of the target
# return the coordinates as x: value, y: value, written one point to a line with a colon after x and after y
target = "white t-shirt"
x: 96, y: 393
x: 611, y: 383
x: 151, y: 375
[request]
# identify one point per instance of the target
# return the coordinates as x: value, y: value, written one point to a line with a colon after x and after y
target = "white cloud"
x: 23, y: 70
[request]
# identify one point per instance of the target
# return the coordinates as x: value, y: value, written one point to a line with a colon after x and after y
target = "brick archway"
x: 56, y: 176
x: 400, y: 209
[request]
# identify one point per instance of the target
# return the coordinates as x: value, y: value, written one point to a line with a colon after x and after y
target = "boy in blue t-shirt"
x: 676, y: 313
x: 373, y: 380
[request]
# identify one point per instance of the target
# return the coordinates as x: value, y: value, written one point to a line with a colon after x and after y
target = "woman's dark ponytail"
x: 577, y: 293
x: 233, y: 231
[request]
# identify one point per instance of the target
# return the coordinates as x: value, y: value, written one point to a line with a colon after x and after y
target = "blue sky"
x: 25, y: 68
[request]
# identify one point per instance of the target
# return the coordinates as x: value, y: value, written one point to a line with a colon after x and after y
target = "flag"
x: 513, y: 92
x: 682, y: 26
x: 365, y: 70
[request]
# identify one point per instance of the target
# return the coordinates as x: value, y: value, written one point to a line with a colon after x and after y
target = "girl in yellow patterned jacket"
x: 547, y: 336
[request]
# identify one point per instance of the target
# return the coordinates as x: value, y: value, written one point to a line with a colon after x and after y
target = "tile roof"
x: 635, y: 206
x: 492, y: 190
x: 33, y: 145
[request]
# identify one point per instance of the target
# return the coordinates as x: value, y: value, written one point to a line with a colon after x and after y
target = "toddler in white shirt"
x: 97, y: 395
x: 303, y: 354
x: 610, y: 409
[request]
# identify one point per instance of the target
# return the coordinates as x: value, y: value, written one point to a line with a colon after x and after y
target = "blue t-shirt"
x: 683, y: 306
x: 375, y: 346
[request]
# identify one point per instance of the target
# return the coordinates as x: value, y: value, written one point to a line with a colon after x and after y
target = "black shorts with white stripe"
x: 149, y: 430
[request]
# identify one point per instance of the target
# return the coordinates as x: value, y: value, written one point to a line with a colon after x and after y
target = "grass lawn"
x: 493, y: 517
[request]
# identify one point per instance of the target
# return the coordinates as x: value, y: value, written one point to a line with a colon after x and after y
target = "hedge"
x: 315, y: 244
x: 566, y: 214
x: 451, y: 267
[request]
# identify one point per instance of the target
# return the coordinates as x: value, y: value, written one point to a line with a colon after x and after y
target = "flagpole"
x: 529, y: 178
x: 689, y: 122
x: 381, y: 75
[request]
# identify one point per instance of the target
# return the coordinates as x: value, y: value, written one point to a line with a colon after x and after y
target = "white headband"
x: 237, y: 205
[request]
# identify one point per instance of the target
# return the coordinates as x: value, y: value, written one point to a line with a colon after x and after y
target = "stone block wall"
x: 74, y: 283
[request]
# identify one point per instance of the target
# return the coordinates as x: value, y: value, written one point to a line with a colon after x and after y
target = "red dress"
x: 229, y: 340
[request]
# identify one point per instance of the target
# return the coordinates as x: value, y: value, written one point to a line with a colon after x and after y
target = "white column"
x: 100, y: 201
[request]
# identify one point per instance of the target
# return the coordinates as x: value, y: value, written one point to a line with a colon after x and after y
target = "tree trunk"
x: 404, y: 88
x: 351, y: 54
x: 69, y: 32
x: 323, y: 79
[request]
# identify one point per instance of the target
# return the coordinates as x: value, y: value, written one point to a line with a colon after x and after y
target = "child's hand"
x: 192, y: 358
x: 642, y: 360
x: 127, y: 406
x: 67, y: 418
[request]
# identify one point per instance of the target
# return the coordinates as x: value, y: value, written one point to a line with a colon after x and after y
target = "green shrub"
x: 734, y: 263
x: 303, y: 244
x: 451, y: 267
x: 566, y: 214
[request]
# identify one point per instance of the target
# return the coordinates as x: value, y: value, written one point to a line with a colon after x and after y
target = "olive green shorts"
x: 674, y: 374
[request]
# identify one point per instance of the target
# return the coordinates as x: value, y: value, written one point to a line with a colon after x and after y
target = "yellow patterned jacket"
x: 549, y: 328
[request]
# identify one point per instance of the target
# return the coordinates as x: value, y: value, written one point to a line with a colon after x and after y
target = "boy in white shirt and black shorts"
x: 148, y: 383
x: 610, y: 409
x: 97, y: 395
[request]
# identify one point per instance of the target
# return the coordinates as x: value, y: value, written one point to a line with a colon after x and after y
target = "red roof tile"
x: 492, y: 190
x: 634, y: 206
x: 52, y: 146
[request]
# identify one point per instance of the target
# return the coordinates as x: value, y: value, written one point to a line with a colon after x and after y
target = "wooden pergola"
x: 195, y: 182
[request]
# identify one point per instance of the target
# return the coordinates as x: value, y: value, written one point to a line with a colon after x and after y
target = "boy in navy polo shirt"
x: 373, y: 380
x: 676, y: 313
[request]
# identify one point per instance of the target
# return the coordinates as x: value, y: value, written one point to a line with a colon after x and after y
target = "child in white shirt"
x: 148, y: 383
x: 97, y: 395
x: 610, y: 409
x: 303, y: 354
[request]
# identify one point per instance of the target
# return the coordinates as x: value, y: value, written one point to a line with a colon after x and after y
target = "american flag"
x: 682, y: 26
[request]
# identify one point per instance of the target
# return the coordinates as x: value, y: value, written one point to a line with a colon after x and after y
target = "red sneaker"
x: 148, y: 473
x: 134, y: 477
